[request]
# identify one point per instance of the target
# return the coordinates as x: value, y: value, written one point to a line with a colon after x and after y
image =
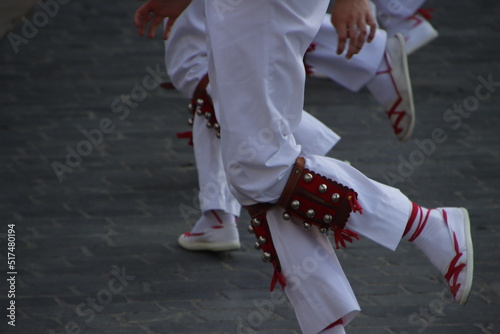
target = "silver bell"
x: 216, y: 126
x: 262, y: 240
x: 218, y: 134
x: 328, y: 218
x: 307, y: 225
x: 208, y: 115
x: 310, y: 213
x: 323, y: 230
x: 256, y: 245
x: 335, y: 198
x: 308, y: 177
x: 250, y: 229
x: 256, y: 222
x: 199, y: 102
x: 322, y: 188
x: 190, y: 108
x: 295, y: 204
x: 190, y: 121
x: 286, y: 215
x: 266, y: 257
x: 209, y: 125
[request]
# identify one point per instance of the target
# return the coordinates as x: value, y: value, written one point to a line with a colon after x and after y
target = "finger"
x: 361, y: 37
x: 373, y: 28
x: 352, y: 35
x: 141, y: 19
x: 168, y: 27
x: 342, y: 37
x: 157, y: 20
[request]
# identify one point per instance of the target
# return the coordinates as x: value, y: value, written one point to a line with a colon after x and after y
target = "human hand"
x: 351, y: 18
x: 155, y: 11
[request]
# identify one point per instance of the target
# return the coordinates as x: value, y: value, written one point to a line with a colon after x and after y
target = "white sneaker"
x: 460, y: 269
x: 416, y: 30
x: 217, y: 239
x: 401, y: 112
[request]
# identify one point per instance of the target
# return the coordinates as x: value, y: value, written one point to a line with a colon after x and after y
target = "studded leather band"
x: 260, y: 227
x: 318, y: 199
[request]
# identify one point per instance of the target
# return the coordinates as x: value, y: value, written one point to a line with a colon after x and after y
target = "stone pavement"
x: 95, y: 243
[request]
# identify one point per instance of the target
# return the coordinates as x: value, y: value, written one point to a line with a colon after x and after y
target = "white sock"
x: 213, y: 218
x: 382, y: 85
x: 427, y: 229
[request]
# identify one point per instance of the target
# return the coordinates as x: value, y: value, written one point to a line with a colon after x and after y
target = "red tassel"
x: 277, y: 278
x: 186, y: 135
x: 426, y: 12
x: 355, y: 206
x: 341, y: 236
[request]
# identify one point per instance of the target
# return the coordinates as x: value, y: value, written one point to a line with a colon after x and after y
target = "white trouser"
x: 389, y: 11
x: 352, y: 74
x: 214, y: 191
x: 186, y: 62
x: 257, y: 77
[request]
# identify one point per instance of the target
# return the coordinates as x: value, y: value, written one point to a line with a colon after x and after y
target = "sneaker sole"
x: 470, y: 258
x: 209, y: 246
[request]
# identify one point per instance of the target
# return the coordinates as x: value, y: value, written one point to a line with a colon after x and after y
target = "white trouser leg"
x: 316, y: 284
x: 385, y: 209
x: 352, y: 74
x: 186, y: 49
x: 257, y: 77
x: 214, y: 191
x: 393, y: 10
x: 312, y: 135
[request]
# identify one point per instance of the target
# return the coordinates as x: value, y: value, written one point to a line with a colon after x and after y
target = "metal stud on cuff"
x: 307, y: 225
x: 286, y: 215
x: 266, y: 257
x: 250, y: 229
x: 308, y: 177
x: 310, y: 213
